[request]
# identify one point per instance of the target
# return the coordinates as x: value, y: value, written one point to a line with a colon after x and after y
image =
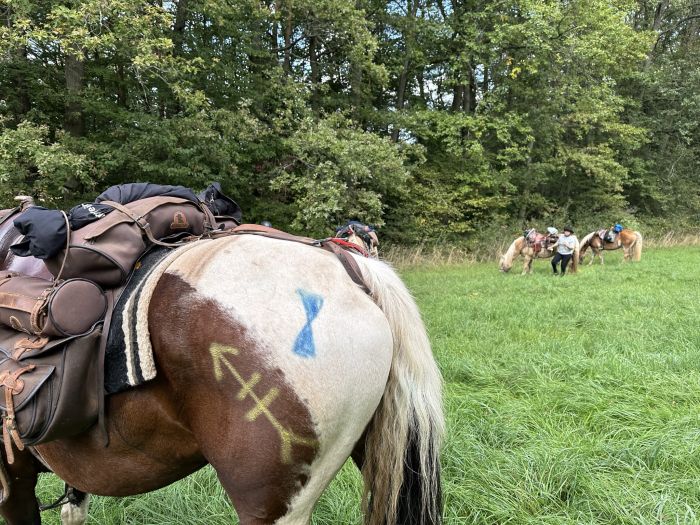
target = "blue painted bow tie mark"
x: 304, y: 345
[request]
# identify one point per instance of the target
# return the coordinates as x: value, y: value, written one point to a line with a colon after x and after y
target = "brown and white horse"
x: 259, y: 377
x: 531, y: 247
x: 629, y: 240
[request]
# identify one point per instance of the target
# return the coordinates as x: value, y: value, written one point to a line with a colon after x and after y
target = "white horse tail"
x: 637, y: 247
x: 401, y: 467
x: 507, y: 258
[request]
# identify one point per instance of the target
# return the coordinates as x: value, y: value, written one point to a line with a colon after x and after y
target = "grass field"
x: 569, y: 400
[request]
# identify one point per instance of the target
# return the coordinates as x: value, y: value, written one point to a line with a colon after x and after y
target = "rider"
x: 565, y: 250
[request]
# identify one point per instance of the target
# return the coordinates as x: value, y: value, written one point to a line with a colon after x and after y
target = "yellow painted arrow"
x: 218, y: 353
x: 262, y: 406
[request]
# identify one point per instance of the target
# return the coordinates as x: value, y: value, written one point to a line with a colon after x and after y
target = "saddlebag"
x: 48, y: 393
x: 105, y: 251
x: 610, y: 236
x: 50, y: 310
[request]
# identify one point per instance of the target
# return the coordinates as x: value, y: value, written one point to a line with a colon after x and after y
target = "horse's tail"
x: 401, y: 467
x: 637, y: 247
x: 506, y: 262
x: 584, y: 244
x: 575, y: 258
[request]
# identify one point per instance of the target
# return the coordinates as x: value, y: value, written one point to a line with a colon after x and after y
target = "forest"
x: 434, y: 120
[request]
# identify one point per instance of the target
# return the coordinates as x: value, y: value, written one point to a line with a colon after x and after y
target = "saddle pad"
x: 129, y: 355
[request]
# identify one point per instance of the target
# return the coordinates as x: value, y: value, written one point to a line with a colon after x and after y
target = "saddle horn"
x: 25, y: 201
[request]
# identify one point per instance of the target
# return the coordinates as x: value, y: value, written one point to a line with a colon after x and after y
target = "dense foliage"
x: 431, y: 118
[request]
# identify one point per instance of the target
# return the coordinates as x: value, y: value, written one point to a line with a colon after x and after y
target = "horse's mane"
x: 512, y: 252
x: 587, y: 240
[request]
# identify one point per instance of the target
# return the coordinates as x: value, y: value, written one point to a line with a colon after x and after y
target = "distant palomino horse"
x: 609, y: 239
x: 259, y: 376
x: 360, y: 235
x: 533, y: 245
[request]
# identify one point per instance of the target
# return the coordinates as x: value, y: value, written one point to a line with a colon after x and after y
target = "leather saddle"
x: 537, y: 241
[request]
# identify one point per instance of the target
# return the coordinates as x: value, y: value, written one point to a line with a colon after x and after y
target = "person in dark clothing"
x: 566, y: 245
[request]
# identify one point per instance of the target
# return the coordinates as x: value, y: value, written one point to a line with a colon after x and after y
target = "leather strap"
x: 17, y: 301
x: 344, y: 256
x: 140, y: 222
x: 13, y: 386
x: 28, y: 343
x: 271, y: 232
x: 39, y: 310
x: 348, y: 262
x: 101, y: 421
x: 209, y: 222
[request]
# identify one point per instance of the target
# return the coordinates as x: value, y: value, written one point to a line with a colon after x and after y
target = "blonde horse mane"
x: 585, y: 243
x: 513, y: 251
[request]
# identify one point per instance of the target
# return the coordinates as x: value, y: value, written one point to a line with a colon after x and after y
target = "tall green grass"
x: 571, y: 400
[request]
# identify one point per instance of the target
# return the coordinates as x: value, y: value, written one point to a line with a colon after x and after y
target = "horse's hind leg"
x: 21, y: 506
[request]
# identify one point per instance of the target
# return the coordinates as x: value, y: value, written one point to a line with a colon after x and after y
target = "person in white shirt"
x: 565, y: 250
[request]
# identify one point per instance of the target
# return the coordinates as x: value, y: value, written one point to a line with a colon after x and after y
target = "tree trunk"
x: 122, y: 89
x: 274, y: 30
x: 73, y: 121
x: 287, y: 64
x: 315, y: 73
x: 412, y: 10
x: 23, y: 101
x: 400, y: 93
x: 181, y: 14
x: 457, y: 96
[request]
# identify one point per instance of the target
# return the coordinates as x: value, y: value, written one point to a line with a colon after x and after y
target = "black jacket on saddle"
x: 45, y: 232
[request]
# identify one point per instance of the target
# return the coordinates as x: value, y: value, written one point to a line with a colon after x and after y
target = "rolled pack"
x: 43, y: 308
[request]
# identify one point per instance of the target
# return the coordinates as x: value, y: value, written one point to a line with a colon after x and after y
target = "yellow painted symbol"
x: 288, y: 438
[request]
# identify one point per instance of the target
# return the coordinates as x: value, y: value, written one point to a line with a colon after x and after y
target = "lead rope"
x: 65, y: 255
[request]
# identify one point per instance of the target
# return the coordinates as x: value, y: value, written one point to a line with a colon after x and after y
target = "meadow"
x: 571, y: 400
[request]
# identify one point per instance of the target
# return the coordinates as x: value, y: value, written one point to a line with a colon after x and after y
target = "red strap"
x: 349, y: 245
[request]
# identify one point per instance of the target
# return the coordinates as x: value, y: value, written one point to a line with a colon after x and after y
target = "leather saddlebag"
x: 39, y: 307
x: 48, y: 393
x: 106, y: 250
